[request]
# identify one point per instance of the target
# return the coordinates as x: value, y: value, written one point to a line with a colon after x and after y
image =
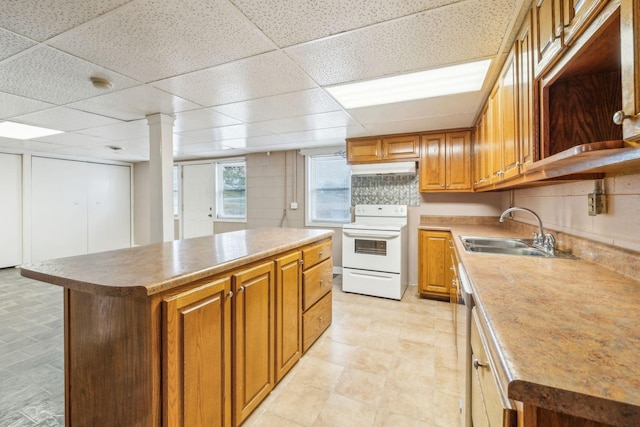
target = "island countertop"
x: 566, y: 331
x: 147, y: 270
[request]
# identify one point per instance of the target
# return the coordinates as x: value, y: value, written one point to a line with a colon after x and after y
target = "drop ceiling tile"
x: 280, y: 106
x: 421, y: 108
x: 46, y: 74
x: 13, y: 105
x: 255, y: 141
x: 201, y: 119
x: 11, y: 43
x: 226, y: 132
x: 73, y: 139
x: 425, y: 124
x: 421, y: 41
x: 135, y: 129
x: 170, y: 37
x: 40, y: 20
x: 316, y: 134
x: 28, y: 145
x: 271, y: 73
x: 317, y: 19
x: 65, y: 119
x: 135, y: 103
x: 197, y: 148
x: 313, y: 121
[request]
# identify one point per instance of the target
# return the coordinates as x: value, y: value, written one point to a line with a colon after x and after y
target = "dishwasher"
x: 465, y: 300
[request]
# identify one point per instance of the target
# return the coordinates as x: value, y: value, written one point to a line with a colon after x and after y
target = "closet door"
x: 59, y: 208
x: 10, y: 210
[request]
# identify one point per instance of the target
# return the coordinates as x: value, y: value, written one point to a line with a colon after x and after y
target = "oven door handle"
x: 372, y: 234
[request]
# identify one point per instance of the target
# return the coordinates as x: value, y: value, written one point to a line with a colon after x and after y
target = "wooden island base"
x: 188, y: 333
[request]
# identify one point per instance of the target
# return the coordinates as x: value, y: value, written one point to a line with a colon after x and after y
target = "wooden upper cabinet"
x: 197, y: 356
x: 510, y: 159
x: 526, y: 95
x: 458, y: 161
x: 630, y: 54
x: 433, y: 163
x: 364, y: 150
x: 577, y: 14
x: 383, y: 149
x: 401, y: 147
x: 445, y: 164
x: 548, y: 24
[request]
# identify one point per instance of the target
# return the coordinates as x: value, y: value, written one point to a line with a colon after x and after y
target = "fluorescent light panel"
x: 19, y: 131
x: 460, y: 78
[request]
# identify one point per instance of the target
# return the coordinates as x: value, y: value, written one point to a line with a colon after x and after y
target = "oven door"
x: 376, y: 250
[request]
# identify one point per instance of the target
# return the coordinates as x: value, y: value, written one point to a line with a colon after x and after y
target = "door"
x: 253, y: 338
x: 11, y: 210
x: 288, y: 312
x: 197, y: 356
x: 197, y: 200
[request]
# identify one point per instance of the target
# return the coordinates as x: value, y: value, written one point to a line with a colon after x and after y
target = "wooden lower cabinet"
x: 197, y: 356
x: 316, y: 320
x: 288, y: 312
x: 253, y: 338
x: 434, y: 264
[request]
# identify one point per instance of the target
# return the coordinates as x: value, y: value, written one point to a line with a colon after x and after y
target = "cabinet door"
x: 548, y: 28
x: 577, y: 15
x: 495, y: 137
x: 630, y: 54
x: 434, y: 264
x: 526, y: 95
x: 253, y: 338
x: 401, y: 147
x: 197, y: 356
x: 288, y: 308
x: 432, y: 163
x: 458, y: 161
x: 508, y: 109
x: 364, y: 150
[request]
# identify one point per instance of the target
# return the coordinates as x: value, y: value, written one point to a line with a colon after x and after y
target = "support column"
x: 161, y: 177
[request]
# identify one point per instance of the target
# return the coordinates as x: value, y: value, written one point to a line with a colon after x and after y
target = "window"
x: 328, y: 190
x: 231, y: 192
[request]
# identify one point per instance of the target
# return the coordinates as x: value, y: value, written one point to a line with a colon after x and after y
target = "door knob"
x: 620, y: 116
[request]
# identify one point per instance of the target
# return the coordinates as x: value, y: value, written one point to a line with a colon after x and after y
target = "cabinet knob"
x: 518, y: 164
x: 477, y: 364
x: 240, y: 289
x: 320, y: 254
x: 230, y: 294
x: 620, y: 116
x: 443, y: 185
x: 321, y: 281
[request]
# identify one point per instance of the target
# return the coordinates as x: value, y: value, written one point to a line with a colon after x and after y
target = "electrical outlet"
x: 596, y: 204
x: 294, y: 205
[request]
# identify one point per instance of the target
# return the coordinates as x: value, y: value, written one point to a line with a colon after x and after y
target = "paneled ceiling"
x: 239, y: 76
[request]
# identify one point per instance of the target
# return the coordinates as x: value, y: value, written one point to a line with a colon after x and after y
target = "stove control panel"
x: 381, y: 210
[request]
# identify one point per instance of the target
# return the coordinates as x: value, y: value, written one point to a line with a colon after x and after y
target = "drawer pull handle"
x: 477, y: 364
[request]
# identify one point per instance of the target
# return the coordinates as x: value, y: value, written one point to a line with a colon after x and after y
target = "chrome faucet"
x: 545, y: 242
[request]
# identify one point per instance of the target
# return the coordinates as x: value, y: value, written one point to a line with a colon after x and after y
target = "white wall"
x: 10, y: 210
x: 563, y: 207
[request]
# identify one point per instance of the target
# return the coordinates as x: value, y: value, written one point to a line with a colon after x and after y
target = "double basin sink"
x: 507, y: 246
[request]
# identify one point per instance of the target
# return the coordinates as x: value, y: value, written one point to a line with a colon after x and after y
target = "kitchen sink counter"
x: 147, y: 270
x: 565, y: 331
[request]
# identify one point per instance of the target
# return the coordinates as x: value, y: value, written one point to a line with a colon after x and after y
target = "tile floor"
x: 381, y: 363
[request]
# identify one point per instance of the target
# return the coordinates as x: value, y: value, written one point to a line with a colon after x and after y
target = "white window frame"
x: 310, y: 190
x: 219, y: 182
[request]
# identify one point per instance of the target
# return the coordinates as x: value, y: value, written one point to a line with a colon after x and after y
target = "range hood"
x: 395, y: 168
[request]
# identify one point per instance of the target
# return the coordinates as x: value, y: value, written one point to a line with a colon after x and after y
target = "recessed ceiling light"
x: 450, y: 80
x: 20, y: 131
x: 101, y: 83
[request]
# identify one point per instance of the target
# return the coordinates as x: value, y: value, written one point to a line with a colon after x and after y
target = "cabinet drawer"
x: 316, y: 253
x: 317, y: 281
x: 315, y: 321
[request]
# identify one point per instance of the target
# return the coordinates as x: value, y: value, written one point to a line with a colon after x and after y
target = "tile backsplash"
x: 385, y: 190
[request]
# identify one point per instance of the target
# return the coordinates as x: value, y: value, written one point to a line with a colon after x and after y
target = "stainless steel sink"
x: 507, y: 246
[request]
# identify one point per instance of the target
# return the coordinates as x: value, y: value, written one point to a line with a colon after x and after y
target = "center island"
x: 192, y: 332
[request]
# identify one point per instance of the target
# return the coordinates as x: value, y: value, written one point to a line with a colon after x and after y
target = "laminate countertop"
x: 146, y: 270
x: 566, y: 332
